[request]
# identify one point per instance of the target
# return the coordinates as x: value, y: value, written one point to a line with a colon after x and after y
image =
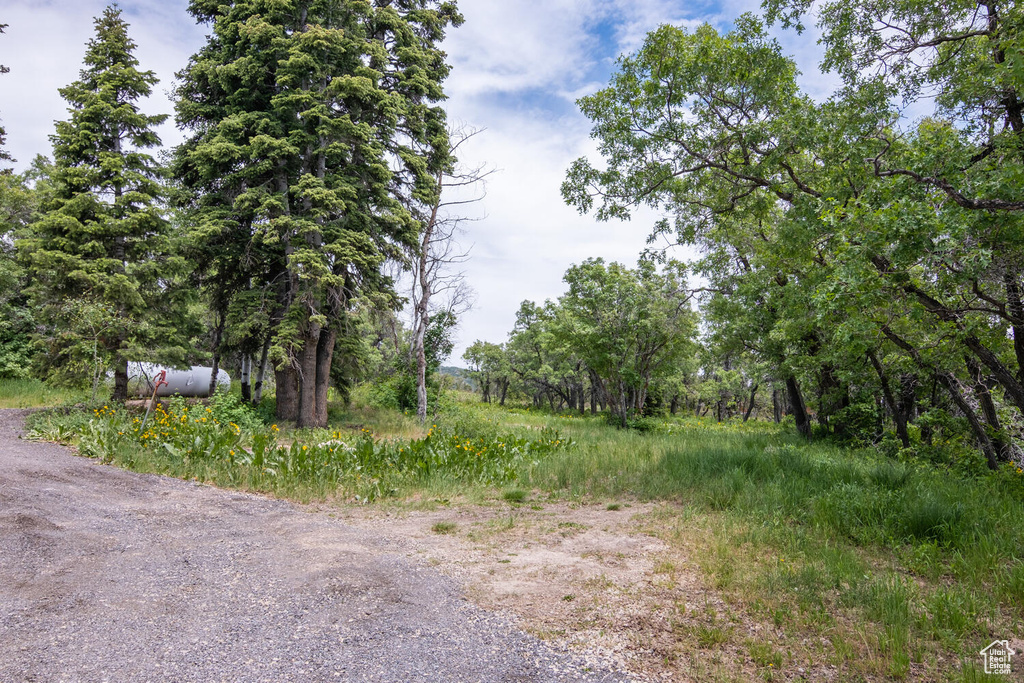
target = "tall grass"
x: 926, y: 560
x: 761, y: 473
x: 32, y: 393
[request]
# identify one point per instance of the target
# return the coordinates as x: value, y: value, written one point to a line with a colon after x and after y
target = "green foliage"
x: 226, y: 443
x: 314, y: 129
x: 229, y: 408
x: 845, y: 249
x: 101, y: 242
x: 616, y: 333
x: 392, y: 383
x: 397, y: 391
x: 20, y: 196
x: 628, y: 326
x: 490, y: 368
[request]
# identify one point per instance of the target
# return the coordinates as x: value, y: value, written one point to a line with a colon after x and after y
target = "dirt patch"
x: 580, y: 575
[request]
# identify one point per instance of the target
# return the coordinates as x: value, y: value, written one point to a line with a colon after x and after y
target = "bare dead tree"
x: 438, y: 284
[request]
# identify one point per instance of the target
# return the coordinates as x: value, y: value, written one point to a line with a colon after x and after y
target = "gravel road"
x: 107, y: 575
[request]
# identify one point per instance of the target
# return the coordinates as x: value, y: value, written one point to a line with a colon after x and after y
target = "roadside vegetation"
x: 885, y: 567
x: 824, y: 409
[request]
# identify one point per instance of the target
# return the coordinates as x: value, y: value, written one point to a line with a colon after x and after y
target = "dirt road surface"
x: 107, y: 575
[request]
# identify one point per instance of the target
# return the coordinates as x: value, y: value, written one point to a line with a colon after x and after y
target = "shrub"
x: 192, y: 440
x: 229, y: 408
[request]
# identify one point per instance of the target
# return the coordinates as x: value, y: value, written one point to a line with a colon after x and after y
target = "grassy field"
x: 883, y: 569
x: 31, y: 393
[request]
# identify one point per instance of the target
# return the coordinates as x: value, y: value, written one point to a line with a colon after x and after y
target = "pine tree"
x: 315, y: 126
x: 102, y: 242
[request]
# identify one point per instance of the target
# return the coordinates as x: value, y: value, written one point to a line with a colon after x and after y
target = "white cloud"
x: 507, y: 47
x: 640, y: 17
x: 44, y: 44
x: 502, y: 56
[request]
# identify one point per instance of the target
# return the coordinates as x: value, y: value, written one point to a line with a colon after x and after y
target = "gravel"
x: 107, y: 575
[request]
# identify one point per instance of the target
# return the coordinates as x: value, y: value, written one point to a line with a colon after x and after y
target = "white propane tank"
x: 191, y: 383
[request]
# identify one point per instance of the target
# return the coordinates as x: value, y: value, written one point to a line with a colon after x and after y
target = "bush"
x: 229, y: 408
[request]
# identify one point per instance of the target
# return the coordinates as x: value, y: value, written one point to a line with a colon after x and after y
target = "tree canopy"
x: 846, y: 247
x: 314, y: 126
x: 101, y: 243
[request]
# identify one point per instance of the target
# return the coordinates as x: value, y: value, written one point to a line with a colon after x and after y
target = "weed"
x: 949, y: 613
x: 444, y: 528
x: 515, y: 496
x: 711, y: 635
x: 764, y: 654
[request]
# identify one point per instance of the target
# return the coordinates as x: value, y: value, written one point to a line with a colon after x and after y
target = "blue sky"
x: 518, y: 67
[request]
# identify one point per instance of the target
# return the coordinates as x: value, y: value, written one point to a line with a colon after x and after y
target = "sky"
x: 518, y: 67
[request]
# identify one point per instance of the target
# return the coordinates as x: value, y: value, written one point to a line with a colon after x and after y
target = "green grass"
x: 900, y: 567
x: 31, y: 393
x: 898, y: 563
x: 517, y: 496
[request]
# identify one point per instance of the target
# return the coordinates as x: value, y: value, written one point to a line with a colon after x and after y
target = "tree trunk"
x: 908, y: 398
x: 1015, y: 307
x: 797, y: 407
x: 246, y: 378
x: 307, y: 379
x: 926, y: 429
x: 890, y: 400
x: 324, y: 356
x: 287, y: 393
x: 120, y: 394
x: 1000, y: 443
x: 419, y: 344
x: 261, y: 372
x: 750, y: 406
x: 218, y: 332
x: 776, y: 406
x: 952, y: 388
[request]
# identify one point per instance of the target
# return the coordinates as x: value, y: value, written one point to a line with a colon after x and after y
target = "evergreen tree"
x: 315, y: 126
x: 102, y: 241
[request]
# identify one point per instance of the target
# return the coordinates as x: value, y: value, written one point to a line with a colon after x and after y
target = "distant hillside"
x: 461, y: 375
